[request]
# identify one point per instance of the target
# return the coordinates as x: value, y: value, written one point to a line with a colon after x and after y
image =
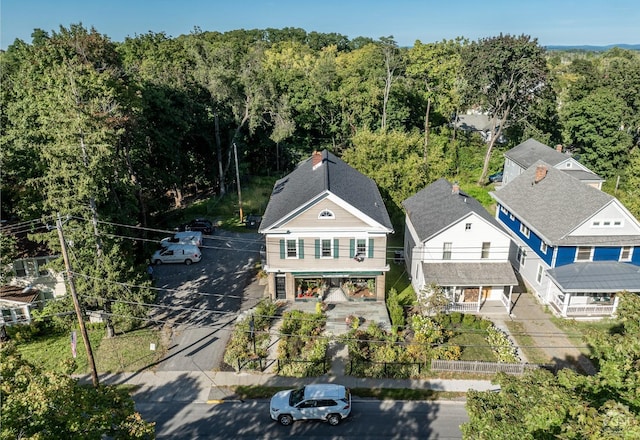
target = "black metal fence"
x: 304, y: 368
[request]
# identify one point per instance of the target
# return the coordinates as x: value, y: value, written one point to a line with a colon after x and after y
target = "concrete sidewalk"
x: 217, y: 387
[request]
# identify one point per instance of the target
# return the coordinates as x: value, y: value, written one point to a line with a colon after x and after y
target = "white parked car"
x: 328, y: 402
x: 177, y: 253
x: 188, y: 237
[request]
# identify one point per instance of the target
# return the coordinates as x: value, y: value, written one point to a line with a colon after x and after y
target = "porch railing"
x: 462, y: 307
x: 589, y: 310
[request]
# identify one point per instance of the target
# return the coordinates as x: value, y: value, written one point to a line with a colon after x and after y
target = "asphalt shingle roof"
x: 435, y: 207
x: 553, y: 207
x: 305, y: 184
x: 530, y: 151
x: 597, y: 277
x: 469, y: 274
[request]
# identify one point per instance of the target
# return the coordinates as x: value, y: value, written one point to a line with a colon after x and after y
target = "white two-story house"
x: 452, y: 242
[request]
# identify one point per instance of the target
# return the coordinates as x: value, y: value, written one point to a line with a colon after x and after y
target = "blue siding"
x: 566, y: 255
x: 635, y: 258
x: 533, y: 241
x: 606, y: 254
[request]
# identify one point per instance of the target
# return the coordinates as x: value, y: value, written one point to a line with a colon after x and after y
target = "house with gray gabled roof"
x: 569, y: 235
x: 453, y: 243
x: 325, y: 229
x: 524, y: 155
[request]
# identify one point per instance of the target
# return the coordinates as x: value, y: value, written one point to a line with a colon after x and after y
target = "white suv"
x: 328, y: 402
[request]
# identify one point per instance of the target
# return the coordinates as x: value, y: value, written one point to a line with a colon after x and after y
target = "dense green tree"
x: 435, y: 68
x: 593, y: 126
x: 504, y: 76
x: 569, y: 406
x: 42, y: 404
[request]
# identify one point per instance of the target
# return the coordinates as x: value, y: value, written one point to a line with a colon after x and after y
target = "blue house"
x: 577, y: 247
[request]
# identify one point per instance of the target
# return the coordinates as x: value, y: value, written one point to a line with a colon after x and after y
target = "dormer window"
x: 326, y: 214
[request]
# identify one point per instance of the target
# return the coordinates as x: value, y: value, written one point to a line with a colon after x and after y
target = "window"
x: 607, y: 223
x: 583, y: 253
x: 326, y: 214
x: 326, y: 248
x: 524, y: 230
x: 292, y: 249
x: 503, y: 209
x: 485, y: 249
x: 522, y: 255
x: 596, y: 223
x: 543, y: 247
x: 446, y: 251
x: 617, y: 223
x: 539, y: 273
x: 467, y: 227
x: 512, y: 217
x: 625, y: 253
x: 361, y: 247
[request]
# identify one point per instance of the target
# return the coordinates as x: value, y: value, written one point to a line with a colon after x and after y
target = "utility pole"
x: 235, y: 153
x: 76, y: 304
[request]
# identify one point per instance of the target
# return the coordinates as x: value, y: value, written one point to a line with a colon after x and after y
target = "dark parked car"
x: 253, y: 221
x: 198, y: 224
x: 496, y: 177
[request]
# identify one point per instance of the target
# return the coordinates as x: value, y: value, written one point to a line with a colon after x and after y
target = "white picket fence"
x: 483, y: 367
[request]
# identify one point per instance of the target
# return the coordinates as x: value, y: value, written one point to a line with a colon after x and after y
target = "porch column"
x: 479, y: 298
x: 510, y: 302
x: 565, y: 305
x: 615, y: 304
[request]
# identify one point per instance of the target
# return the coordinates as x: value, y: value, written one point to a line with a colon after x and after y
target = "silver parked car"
x: 328, y: 402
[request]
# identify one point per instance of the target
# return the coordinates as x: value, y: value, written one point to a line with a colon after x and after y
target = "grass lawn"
x: 576, y: 330
x: 474, y: 347
x: 128, y: 352
x: 262, y: 392
x: 527, y: 344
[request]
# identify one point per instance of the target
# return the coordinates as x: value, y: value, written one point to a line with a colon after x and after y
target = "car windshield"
x: 296, y: 397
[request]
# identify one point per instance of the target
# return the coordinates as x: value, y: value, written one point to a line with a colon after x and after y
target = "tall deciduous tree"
x: 435, y: 67
x: 50, y: 405
x: 504, y: 75
x: 569, y: 405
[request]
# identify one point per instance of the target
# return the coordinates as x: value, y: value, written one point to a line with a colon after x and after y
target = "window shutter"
x: 352, y: 248
x: 336, y: 247
x: 282, y: 250
x: 370, y: 248
x: 317, y: 248
x: 300, y: 248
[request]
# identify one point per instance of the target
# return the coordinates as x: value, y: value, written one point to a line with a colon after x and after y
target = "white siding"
x: 611, y: 213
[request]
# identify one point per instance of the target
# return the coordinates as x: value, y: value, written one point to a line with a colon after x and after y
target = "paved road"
x: 370, y: 419
x: 200, y: 302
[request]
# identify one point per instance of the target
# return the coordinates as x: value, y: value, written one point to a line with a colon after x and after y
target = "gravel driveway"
x: 200, y: 302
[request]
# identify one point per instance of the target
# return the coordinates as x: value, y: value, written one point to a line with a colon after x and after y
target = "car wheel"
x: 157, y: 262
x: 333, y: 419
x: 285, y: 419
x: 187, y: 262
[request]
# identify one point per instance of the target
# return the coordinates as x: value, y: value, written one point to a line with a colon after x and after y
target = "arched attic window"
x: 326, y: 214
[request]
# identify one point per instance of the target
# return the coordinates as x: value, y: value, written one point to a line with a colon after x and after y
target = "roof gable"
x: 530, y: 151
x: 317, y: 177
x: 554, y: 206
x: 438, y: 206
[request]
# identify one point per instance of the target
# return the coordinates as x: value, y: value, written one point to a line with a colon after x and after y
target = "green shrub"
x: 469, y: 320
x: 396, y: 311
x: 456, y: 317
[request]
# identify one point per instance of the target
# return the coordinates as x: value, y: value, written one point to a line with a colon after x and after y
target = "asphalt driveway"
x: 200, y: 302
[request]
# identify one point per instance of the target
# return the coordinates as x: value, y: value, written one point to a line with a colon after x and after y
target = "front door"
x: 281, y: 291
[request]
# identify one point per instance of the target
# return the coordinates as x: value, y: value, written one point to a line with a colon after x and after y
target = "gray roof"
x: 469, y: 274
x: 436, y: 207
x: 553, y: 207
x: 583, y: 175
x: 474, y: 122
x: 530, y: 151
x: 305, y: 185
x: 597, y: 277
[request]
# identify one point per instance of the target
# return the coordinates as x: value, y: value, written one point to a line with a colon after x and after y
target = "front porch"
x: 589, y: 306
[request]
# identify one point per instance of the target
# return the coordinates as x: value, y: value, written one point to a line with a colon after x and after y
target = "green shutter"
x: 317, y: 248
x: 300, y: 248
x: 336, y: 247
x: 283, y: 254
x: 371, y: 248
x: 352, y: 248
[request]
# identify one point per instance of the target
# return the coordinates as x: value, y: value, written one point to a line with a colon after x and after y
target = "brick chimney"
x: 559, y: 148
x: 541, y: 173
x: 455, y: 188
x: 316, y: 159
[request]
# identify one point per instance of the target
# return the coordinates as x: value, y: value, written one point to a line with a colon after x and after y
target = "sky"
x: 552, y: 22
